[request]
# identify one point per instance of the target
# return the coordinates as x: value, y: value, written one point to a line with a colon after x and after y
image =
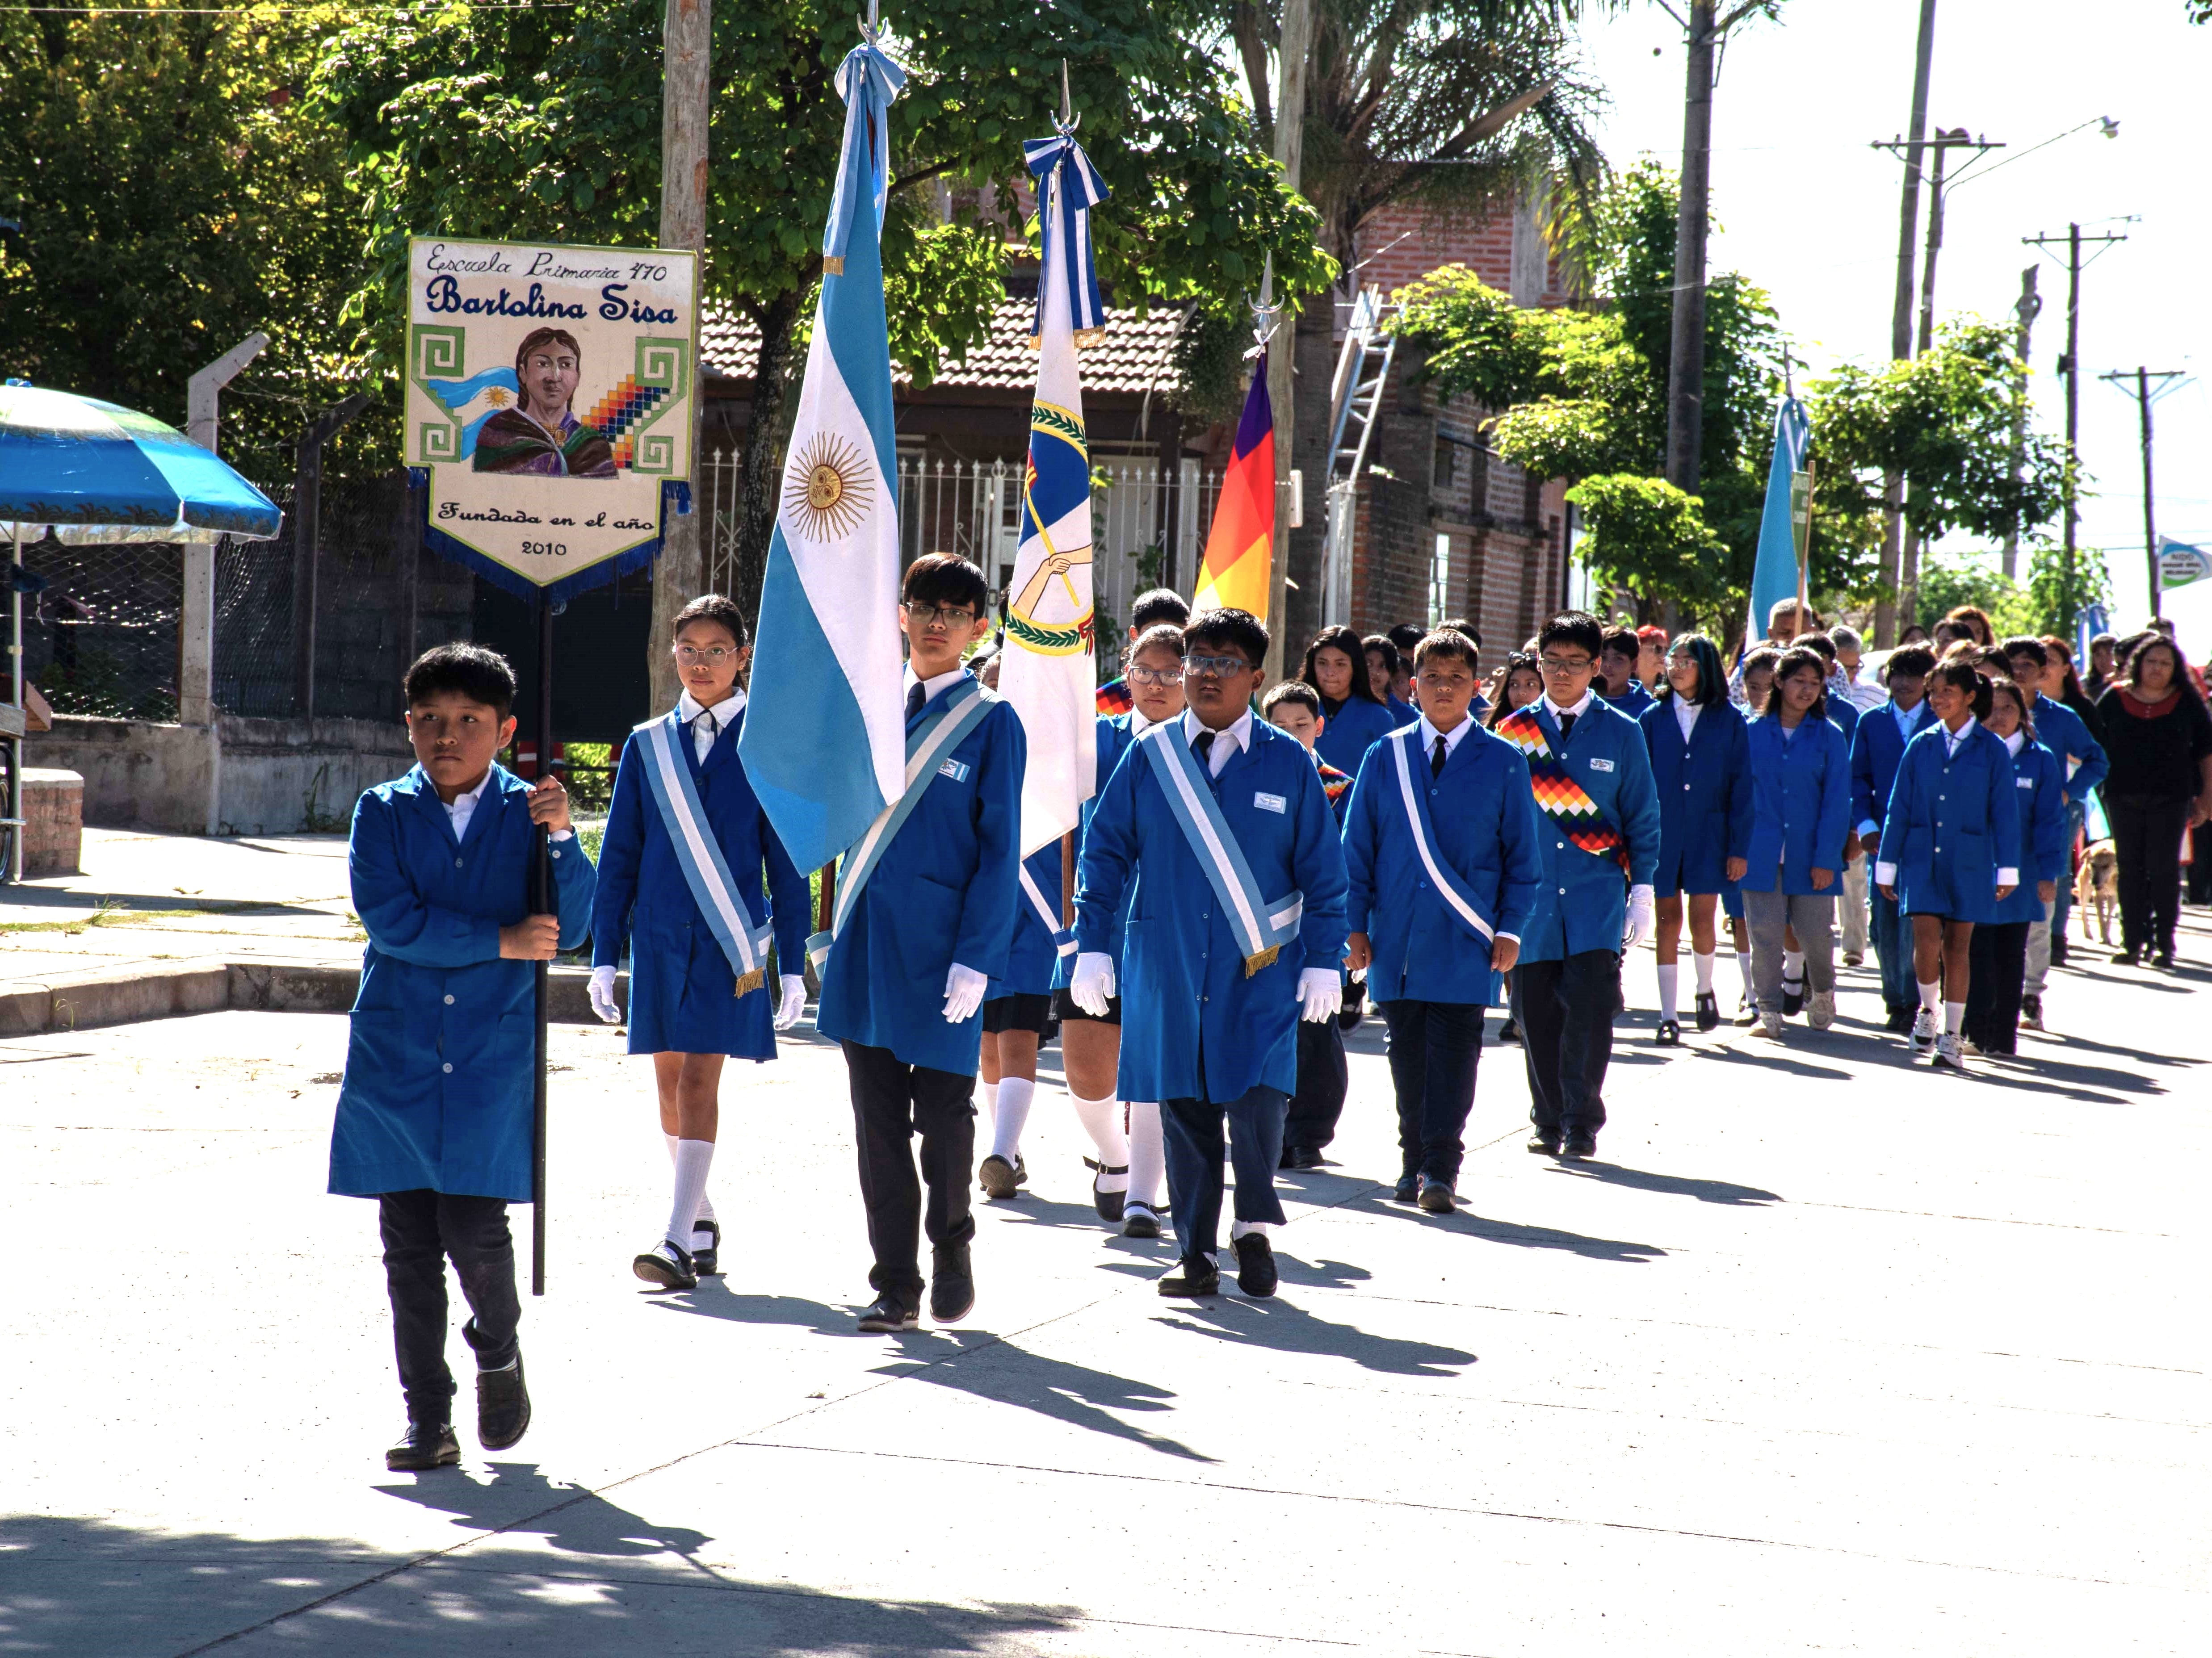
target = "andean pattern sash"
x: 1261, y: 926
x: 927, y: 746
x: 698, y: 855
x: 1562, y: 800
x: 1446, y: 879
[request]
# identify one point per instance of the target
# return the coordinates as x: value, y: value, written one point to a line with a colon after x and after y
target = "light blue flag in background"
x: 1774, y: 577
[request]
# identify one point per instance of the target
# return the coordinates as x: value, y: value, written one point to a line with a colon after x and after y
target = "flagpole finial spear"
x: 1067, y: 122
x: 1265, y: 312
x: 868, y: 26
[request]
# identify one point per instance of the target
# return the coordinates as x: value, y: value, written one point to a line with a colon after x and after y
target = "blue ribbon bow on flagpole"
x: 868, y: 80
x: 1068, y: 187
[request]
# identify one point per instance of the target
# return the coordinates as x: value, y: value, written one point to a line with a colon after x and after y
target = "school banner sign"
x: 549, y: 404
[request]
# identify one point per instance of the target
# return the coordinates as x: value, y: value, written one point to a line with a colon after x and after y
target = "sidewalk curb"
x: 85, y: 1001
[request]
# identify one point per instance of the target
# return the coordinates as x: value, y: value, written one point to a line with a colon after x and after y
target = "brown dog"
x: 2098, y: 880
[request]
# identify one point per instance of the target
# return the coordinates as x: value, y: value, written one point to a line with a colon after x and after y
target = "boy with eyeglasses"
x: 1589, y: 770
x: 902, y: 986
x: 1235, y: 932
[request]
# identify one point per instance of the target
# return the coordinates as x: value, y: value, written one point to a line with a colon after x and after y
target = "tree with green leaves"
x: 174, y: 195
x: 1643, y: 536
x: 520, y: 123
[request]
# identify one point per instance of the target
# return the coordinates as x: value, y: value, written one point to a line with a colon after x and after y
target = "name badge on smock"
x: 1600, y: 765
x: 955, y: 770
x: 2025, y: 782
x: 1274, y: 803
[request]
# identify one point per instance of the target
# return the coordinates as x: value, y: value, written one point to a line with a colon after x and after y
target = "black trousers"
x: 1564, y: 1009
x: 2147, y: 839
x: 1996, y: 969
x: 893, y: 1102
x: 1434, y: 1049
x: 2200, y: 864
x: 1323, y: 1078
x: 422, y: 1231
x: 1192, y: 1135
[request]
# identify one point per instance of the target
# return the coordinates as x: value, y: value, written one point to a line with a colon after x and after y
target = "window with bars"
x: 1440, y: 581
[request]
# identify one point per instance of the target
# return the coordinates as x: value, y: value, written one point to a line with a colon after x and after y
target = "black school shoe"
x: 887, y: 1314
x: 1899, y: 1022
x: 1109, y: 1204
x: 668, y: 1265
x: 1255, y: 1266
x: 1001, y: 1179
x: 1793, y: 999
x: 1509, y: 1031
x: 1195, y: 1276
x: 1708, y: 1011
x: 707, y: 1262
x: 1408, y: 1188
x: 502, y: 1406
x: 1670, y: 1033
x: 952, y: 1284
x: 424, y: 1445
x: 1543, y: 1145
x: 1436, y: 1197
x: 1579, y: 1146
x: 1140, y: 1220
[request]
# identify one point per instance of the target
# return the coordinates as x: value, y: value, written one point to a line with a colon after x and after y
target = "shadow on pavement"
x: 519, y: 1501
x: 1074, y: 1394
x: 1775, y: 1057
x: 1705, y: 1191
x: 1291, y: 1329
x: 86, y: 1588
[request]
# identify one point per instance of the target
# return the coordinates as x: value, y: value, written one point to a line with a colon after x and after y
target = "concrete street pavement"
x: 1825, y: 1353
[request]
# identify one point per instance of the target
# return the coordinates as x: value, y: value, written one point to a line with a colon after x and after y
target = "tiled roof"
x: 1134, y: 357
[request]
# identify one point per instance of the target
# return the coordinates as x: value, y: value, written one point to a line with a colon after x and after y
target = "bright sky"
x: 1810, y: 212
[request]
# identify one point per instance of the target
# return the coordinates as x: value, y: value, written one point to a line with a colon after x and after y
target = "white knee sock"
x: 991, y: 1101
x: 1669, y: 976
x: 693, y: 1159
x: 1705, y: 967
x: 1954, y: 1017
x: 1743, y: 966
x: 1931, y: 997
x: 700, y: 1238
x: 1009, y: 1113
x: 1102, y: 1120
x: 1148, y: 1154
x: 1246, y: 1227
x: 1793, y: 967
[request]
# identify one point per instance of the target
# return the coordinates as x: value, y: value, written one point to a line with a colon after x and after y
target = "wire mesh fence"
x: 100, y: 637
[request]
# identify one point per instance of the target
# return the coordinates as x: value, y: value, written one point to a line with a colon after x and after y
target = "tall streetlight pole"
x: 2145, y: 395
x: 1900, y: 314
x: 2070, y: 366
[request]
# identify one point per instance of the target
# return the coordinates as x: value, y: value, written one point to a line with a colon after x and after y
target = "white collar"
x: 1452, y: 737
x: 469, y: 798
x: 690, y: 707
x: 1579, y: 708
x: 1686, y: 711
x: 1952, y: 738
x: 2015, y: 742
x: 1138, y: 724
x: 1238, y: 735
x: 931, y: 686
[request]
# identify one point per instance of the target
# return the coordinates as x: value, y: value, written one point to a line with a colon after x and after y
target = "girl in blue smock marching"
x: 1950, y: 848
x: 1700, y: 755
x: 1998, y: 953
x: 681, y: 883
x: 1801, y: 817
x: 1352, y: 717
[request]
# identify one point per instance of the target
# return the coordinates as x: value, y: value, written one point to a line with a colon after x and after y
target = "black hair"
x: 2024, y: 700
x: 1160, y: 635
x: 2027, y: 645
x: 1514, y: 663
x: 1796, y: 656
x: 1712, y: 678
x: 1916, y: 660
x: 715, y: 608
x: 1622, y: 642
x: 1405, y: 636
x: 1447, y: 640
x: 946, y: 578
x: 1340, y: 638
x: 1460, y: 625
x: 476, y: 671
x: 1392, y: 660
x: 1291, y: 690
x: 1573, y: 628
x: 531, y: 342
x: 1155, y: 606
x: 1231, y: 627
x: 1823, y: 644
x: 1768, y: 657
x: 1962, y: 674
x: 1907, y: 638
x: 2130, y: 676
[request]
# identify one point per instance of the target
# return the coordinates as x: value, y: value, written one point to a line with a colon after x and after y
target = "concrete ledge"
x: 82, y: 1001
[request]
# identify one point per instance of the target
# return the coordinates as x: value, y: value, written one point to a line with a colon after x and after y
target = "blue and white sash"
x: 927, y: 747
x: 1442, y: 875
x: 1063, y: 941
x: 698, y: 856
x: 1261, y: 926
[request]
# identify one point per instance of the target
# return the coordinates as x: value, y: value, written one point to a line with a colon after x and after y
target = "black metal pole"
x: 541, y: 903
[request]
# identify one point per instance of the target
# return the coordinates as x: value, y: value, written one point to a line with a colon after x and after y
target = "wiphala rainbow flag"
x: 1561, y: 799
x: 615, y: 413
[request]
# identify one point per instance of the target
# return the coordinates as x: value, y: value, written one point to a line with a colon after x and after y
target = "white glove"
x: 795, y: 1000
x: 1321, y: 994
x: 602, y: 988
x: 963, y: 993
x: 1642, y: 917
x: 1092, y: 986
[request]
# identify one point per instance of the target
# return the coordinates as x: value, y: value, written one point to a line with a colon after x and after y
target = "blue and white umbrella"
x: 97, y: 472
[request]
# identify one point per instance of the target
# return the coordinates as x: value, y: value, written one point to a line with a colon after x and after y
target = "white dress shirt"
x: 462, y: 807
x: 1685, y: 714
x: 931, y: 686
x: 1578, y: 709
x: 1452, y: 737
x: 1952, y: 738
x: 1226, y: 743
x: 1139, y: 724
x: 689, y: 708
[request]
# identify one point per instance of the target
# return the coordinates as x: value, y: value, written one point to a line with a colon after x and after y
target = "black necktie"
x: 1202, y: 746
x: 1437, y: 760
x: 1567, y: 725
x: 916, y: 697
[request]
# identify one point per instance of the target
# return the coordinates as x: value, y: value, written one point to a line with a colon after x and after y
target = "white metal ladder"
x: 1363, y: 370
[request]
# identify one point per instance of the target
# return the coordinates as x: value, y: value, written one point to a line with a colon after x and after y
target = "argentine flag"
x: 1774, y: 576
x: 477, y: 399
x: 824, y: 740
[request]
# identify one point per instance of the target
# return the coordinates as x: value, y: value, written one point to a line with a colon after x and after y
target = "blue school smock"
x: 943, y: 891
x: 1486, y: 829
x: 1345, y: 734
x: 1184, y: 996
x: 1704, y: 793
x: 1633, y: 701
x: 1582, y: 902
x: 1113, y: 739
x: 1843, y: 714
x: 683, y: 994
x: 1801, y: 806
x: 1032, y: 957
x: 438, y: 1080
x: 2039, y: 785
x: 1952, y: 825
x: 2083, y: 763
x: 1877, y: 746
x: 1403, y: 712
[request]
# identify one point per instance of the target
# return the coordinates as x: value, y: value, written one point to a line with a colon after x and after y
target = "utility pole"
x: 1294, y: 46
x: 2144, y: 397
x: 2070, y: 366
x: 195, y: 611
x: 2029, y: 304
x: 1686, y: 364
x: 686, y: 91
x: 1901, y: 315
